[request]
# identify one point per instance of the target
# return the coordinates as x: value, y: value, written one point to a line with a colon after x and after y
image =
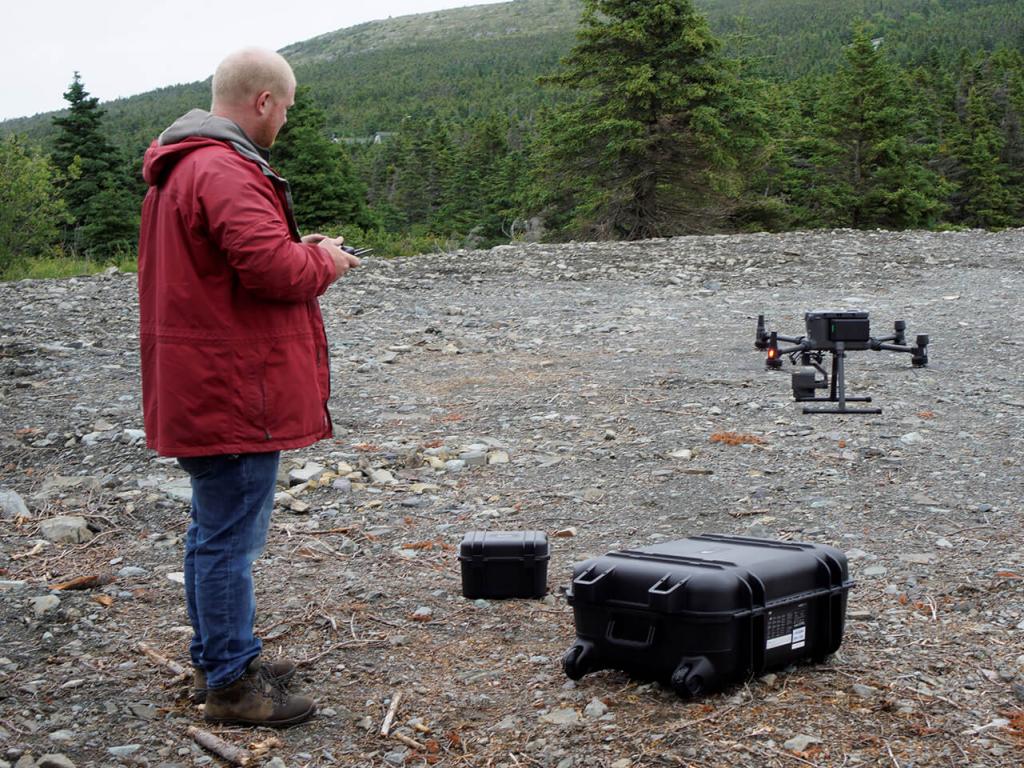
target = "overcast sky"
x: 124, y: 47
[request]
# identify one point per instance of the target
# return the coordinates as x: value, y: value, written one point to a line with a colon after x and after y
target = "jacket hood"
x: 198, y: 128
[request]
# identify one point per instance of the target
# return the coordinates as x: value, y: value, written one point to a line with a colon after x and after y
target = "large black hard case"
x: 707, y: 611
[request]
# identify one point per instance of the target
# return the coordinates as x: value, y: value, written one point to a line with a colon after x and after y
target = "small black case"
x: 499, y: 564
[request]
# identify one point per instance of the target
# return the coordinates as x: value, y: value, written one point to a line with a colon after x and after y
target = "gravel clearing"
x: 568, y: 388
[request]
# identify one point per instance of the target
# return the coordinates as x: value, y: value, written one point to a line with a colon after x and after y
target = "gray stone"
x: 12, y: 505
x: 498, y: 457
x: 143, y: 711
x: 311, y: 471
x: 561, y: 717
x: 595, y: 709
x: 179, y: 489
x: 65, y: 530
x: 62, y: 735
x: 124, y: 750
x: 133, y: 436
x: 59, y: 484
x: 801, y: 742
x: 55, y: 760
x: 45, y: 604
x: 382, y: 477
x: 131, y: 571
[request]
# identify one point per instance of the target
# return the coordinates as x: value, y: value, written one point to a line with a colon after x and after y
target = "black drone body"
x: 835, y: 333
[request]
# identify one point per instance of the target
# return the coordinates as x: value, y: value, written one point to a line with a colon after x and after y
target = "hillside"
x: 485, y: 58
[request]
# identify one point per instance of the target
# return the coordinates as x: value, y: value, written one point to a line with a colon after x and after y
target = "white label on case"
x: 799, y: 636
x: 778, y: 642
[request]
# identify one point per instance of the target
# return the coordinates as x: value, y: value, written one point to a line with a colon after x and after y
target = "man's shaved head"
x: 244, y: 74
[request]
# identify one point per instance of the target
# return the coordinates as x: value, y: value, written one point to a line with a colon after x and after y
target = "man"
x: 234, y: 360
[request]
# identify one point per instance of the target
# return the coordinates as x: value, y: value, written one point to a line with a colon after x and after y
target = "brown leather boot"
x: 253, y: 699
x: 281, y: 671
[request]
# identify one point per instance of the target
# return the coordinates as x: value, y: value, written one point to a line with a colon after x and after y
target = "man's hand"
x: 316, y: 238
x: 343, y: 262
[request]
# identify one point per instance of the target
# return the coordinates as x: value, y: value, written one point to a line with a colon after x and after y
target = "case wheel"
x: 692, y: 677
x: 576, y: 661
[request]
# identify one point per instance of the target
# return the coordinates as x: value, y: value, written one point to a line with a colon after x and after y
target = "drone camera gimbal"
x: 834, y: 332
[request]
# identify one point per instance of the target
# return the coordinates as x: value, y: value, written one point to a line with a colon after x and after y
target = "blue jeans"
x: 232, y: 498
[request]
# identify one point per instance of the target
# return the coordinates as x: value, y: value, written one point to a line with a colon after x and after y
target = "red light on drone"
x: 772, y: 353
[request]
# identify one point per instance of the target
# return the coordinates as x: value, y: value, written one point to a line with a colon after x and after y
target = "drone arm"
x: 919, y: 350
x: 879, y: 345
x: 801, y: 346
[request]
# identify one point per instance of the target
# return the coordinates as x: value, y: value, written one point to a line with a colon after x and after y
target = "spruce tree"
x: 104, y: 215
x: 326, y: 190
x: 652, y: 140
x: 479, y: 195
x: 420, y: 174
x: 870, y: 152
x: 983, y: 198
x: 81, y: 151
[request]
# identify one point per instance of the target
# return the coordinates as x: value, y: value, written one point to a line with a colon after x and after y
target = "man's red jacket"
x: 234, y: 355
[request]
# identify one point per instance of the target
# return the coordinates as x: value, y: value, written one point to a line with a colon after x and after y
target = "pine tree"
x: 327, y: 192
x: 81, y: 152
x: 420, y: 174
x: 983, y: 199
x: 870, y: 150
x: 650, y: 143
x: 104, y: 214
x: 479, y: 195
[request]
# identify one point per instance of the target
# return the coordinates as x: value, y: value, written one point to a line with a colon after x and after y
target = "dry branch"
x: 408, y: 742
x: 231, y: 753
x: 163, y: 661
x: 385, y: 727
x: 85, y: 582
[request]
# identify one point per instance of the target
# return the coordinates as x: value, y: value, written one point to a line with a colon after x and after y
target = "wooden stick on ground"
x: 385, y: 727
x: 84, y: 582
x: 408, y: 742
x: 231, y: 753
x: 163, y: 661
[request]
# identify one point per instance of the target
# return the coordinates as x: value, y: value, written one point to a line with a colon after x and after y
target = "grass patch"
x: 55, y: 267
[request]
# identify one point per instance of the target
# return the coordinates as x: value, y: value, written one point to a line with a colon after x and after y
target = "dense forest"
x: 599, y: 119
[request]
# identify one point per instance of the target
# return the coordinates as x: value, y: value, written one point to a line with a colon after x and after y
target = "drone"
x: 834, y: 332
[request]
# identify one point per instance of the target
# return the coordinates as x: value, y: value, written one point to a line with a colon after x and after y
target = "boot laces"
x: 272, y: 686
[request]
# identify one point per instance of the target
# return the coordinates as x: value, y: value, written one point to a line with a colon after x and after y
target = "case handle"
x: 627, y: 642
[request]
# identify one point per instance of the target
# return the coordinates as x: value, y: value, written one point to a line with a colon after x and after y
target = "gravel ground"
x: 573, y: 389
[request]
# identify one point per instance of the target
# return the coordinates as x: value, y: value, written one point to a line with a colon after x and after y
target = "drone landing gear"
x: 805, y: 382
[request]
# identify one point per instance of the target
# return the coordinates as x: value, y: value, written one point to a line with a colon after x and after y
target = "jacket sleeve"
x: 244, y: 219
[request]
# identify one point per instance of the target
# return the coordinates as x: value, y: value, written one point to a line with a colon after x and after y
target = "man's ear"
x: 261, y: 101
